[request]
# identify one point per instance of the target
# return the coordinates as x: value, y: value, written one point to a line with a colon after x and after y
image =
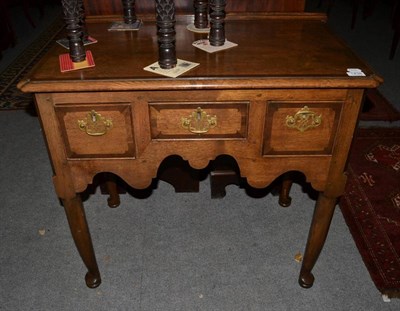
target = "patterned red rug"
x: 371, y: 205
x: 11, y: 98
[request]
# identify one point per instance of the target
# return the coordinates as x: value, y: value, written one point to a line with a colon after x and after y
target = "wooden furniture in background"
x: 114, y: 7
x: 368, y: 7
x: 288, y: 104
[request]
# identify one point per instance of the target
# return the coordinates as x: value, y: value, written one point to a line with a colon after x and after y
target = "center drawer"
x: 198, y: 120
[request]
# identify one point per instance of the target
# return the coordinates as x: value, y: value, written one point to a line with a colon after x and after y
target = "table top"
x: 274, y: 51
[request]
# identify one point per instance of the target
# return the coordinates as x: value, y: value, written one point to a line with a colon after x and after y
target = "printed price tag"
x: 355, y: 72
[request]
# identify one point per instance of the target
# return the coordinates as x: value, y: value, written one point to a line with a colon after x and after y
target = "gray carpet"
x: 172, y: 251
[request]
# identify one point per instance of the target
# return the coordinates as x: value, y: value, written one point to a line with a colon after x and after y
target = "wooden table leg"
x: 321, y: 221
x: 284, y: 195
x: 224, y: 171
x: 81, y: 235
x: 113, y: 200
x: 219, y: 179
x: 112, y: 190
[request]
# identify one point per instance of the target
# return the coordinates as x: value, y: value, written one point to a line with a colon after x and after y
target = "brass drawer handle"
x: 95, y: 124
x: 304, y: 119
x: 199, y: 122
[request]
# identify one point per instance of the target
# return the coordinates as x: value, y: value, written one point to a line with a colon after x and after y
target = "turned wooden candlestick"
x: 165, y: 11
x: 200, y: 14
x: 217, y: 22
x: 73, y: 19
x: 129, y: 11
x: 82, y: 21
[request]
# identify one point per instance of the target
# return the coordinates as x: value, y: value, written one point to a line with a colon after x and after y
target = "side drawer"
x: 300, y: 127
x: 199, y: 120
x: 96, y: 130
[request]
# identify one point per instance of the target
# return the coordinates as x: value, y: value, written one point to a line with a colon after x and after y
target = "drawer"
x: 294, y: 127
x: 198, y: 120
x: 96, y: 131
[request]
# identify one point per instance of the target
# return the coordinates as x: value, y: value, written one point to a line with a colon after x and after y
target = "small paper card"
x: 204, y: 44
x: 181, y: 67
x: 66, y: 63
x: 192, y: 27
x: 122, y: 26
x: 355, y: 72
x: 65, y: 43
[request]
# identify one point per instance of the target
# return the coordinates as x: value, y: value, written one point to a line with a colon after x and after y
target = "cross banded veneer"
x: 281, y: 101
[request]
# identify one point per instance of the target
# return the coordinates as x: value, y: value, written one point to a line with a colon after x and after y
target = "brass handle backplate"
x: 304, y: 119
x: 95, y: 124
x: 199, y: 122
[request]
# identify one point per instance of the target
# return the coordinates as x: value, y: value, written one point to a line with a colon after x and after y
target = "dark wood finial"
x: 201, y: 14
x: 72, y: 16
x: 83, y: 21
x: 165, y: 11
x: 129, y: 11
x: 217, y: 21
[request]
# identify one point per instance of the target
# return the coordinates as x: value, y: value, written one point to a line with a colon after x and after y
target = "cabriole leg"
x: 81, y: 235
x: 321, y: 221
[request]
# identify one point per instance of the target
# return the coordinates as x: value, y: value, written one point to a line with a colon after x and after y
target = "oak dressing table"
x: 281, y: 101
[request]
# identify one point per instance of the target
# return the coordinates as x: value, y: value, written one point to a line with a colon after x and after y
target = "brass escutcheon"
x: 199, y: 122
x: 95, y: 124
x: 304, y: 119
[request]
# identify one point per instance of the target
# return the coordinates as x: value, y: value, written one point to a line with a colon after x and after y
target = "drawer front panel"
x: 98, y: 131
x: 199, y: 120
x: 300, y: 127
